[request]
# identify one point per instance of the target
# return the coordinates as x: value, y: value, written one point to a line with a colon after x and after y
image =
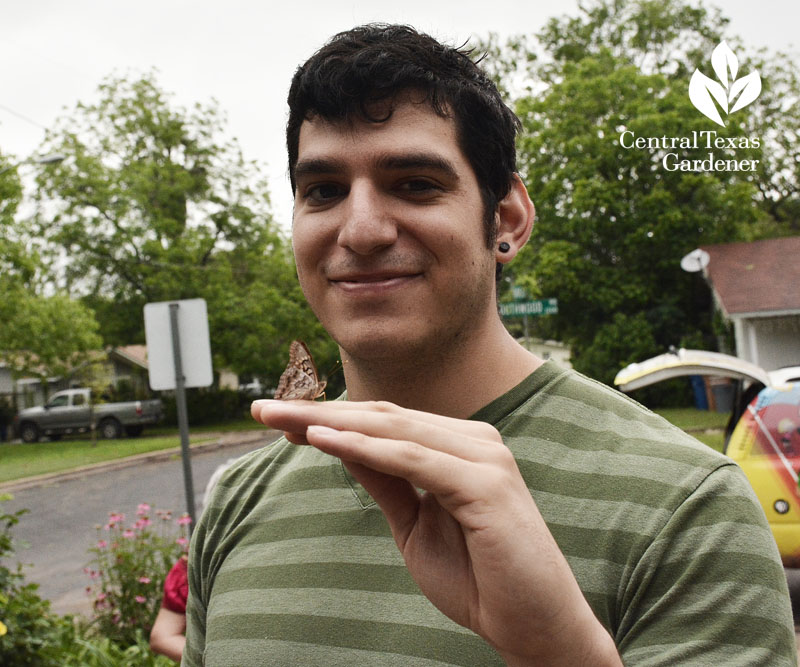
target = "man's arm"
x: 167, y: 636
x: 475, y: 542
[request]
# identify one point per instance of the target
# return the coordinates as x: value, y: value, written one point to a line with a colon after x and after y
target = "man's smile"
x: 360, y: 283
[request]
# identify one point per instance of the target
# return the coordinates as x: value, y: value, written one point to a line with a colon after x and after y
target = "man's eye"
x: 323, y: 192
x: 419, y: 187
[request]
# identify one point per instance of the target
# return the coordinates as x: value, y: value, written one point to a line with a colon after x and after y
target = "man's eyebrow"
x: 392, y: 161
x: 422, y: 160
x: 315, y: 166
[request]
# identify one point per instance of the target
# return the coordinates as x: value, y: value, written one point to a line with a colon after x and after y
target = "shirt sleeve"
x: 176, y: 588
x: 710, y: 589
x: 196, y: 604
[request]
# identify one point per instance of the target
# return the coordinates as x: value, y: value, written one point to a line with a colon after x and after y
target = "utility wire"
x: 22, y: 116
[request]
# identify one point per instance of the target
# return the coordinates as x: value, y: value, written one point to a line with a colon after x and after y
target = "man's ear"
x: 514, y: 217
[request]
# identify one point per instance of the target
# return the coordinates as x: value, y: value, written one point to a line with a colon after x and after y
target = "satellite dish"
x: 695, y: 261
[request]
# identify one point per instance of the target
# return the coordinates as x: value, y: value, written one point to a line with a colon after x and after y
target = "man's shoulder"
x: 586, y: 415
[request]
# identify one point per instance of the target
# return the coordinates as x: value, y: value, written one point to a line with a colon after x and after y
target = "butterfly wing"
x: 300, y: 379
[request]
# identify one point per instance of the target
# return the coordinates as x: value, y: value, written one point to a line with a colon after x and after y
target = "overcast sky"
x: 55, y: 53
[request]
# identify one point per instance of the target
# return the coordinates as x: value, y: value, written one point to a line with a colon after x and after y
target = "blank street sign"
x: 195, y: 344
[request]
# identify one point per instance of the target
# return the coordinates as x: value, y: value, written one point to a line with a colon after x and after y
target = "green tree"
x: 40, y: 336
x: 612, y: 222
x: 17, y: 263
x: 668, y: 37
x: 672, y: 38
x: 153, y: 205
x: 45, y: 336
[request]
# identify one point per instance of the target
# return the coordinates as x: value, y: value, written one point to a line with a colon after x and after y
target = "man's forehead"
x: 412, y: 128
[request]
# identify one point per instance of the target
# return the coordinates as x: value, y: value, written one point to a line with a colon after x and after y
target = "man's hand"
x: 474, y: 541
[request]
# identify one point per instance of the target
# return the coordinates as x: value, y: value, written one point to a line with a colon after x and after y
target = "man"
x: 467, y: 504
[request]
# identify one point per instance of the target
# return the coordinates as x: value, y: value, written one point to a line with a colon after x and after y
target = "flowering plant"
x: 128, y: 570
x: 30, y: 634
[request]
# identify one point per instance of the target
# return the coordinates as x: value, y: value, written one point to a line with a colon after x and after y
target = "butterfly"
x: 300, y: 379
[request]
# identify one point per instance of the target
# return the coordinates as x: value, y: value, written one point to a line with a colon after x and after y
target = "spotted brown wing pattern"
x: 300, y: 379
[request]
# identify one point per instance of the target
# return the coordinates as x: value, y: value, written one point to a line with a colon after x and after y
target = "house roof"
x: 134, y: 354
x: 758, y: 277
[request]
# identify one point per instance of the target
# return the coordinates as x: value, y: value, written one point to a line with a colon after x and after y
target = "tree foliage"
x: 153, y: 205
x: 41, y: 336
x: 45, y: 336
x: 148, y: 192
x: 612, y: 222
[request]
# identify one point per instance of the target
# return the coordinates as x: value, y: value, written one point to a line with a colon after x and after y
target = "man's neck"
x: 456, y: 382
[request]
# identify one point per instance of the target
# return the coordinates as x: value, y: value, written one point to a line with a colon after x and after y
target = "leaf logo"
x: 704, y: 91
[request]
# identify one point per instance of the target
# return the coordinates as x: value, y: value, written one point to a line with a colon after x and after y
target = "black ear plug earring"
x: 503, y: 247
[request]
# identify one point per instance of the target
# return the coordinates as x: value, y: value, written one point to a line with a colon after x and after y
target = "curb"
x: 223, y: 440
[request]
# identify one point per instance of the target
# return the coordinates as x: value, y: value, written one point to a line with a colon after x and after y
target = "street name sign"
x: 523, y: 308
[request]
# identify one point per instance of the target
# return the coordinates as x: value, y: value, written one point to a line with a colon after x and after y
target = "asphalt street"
x: 53, y: 538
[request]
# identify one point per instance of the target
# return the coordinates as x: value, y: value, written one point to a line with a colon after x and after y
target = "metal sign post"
x: 180, y: 402
x: 179, y: 357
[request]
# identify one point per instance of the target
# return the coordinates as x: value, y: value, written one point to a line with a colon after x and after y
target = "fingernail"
x: 317, y: 429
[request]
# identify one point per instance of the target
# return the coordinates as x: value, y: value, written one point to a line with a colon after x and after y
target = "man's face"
x: 388, y: 234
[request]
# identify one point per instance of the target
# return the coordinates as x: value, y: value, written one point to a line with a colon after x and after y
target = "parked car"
x: 763, y: 432
x: 71, y: 411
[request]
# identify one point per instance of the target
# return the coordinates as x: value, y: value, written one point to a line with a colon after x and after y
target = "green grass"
x: 244, y: 424
x: 715, y: 440
x: 692, y: 419
x: 708, y: 427
x: 26, y: 460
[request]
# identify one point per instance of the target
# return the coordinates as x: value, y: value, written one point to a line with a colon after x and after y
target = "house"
x: 756, y: 286
x: 124, y: 368
x: 548, y: 349
x: 127, y: 365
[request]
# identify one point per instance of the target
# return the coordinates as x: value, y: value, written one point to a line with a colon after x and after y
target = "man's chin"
x: 389, y: 345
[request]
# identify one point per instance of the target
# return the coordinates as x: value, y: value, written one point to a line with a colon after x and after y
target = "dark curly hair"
x: 377, y: 62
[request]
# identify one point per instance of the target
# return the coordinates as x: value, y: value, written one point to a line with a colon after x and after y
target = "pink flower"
x: 143, y: 509
x: 128, y: 534
x: 185, y: 520
x: 115, y: 517
x: 141, y: 599
x: 101, y: 597
x: 182, y: 541
x: 142, y: 523
x: 144, y: 580
x: 102, y: 544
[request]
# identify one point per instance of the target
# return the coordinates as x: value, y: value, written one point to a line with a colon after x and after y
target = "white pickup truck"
x: 71, y: 411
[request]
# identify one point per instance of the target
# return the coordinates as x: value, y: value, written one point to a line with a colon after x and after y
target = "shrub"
x: 29, y: 633
x: 128, y: 570
x: 208, y: 406
x: 92, y: 651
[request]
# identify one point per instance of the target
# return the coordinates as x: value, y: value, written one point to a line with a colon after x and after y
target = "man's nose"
x: 369, y: 224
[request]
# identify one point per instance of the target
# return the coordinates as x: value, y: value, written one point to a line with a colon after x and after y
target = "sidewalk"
x: 218, y: 440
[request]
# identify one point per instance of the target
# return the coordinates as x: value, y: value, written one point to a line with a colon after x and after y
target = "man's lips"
x: 373, y: 281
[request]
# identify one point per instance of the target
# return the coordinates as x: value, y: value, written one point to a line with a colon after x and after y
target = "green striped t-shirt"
x: 292, y: 563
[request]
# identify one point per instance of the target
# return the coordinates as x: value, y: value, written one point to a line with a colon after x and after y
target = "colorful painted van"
x: 766, y: 444
x: 763, y: 434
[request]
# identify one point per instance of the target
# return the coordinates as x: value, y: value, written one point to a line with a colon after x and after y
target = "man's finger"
x: 473, y: 441
x: 456, y: 481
